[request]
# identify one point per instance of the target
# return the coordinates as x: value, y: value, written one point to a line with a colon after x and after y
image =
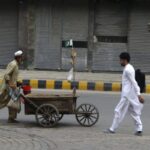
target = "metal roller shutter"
x: 75, y: 26
x: 8, y: 31
x: 111, y: 20
x: 139, y: 37
x: 48, y: 35
x: 106, y: 56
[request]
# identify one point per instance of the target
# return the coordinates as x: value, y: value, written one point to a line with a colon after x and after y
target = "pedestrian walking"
x: 10, y: 81
x: 131, y: 99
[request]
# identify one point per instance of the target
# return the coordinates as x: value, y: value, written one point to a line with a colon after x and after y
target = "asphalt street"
x: 68, y: 135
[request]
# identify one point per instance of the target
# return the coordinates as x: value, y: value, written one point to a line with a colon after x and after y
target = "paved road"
x: 68, y: 135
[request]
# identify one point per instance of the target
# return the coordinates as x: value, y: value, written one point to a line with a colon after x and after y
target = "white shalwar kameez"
x: 129, y: 100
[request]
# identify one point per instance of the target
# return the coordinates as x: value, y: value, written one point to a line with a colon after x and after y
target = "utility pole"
x: 72, y: 74
x: 73, y: 57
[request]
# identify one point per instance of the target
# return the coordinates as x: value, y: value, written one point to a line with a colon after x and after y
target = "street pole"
x: 73, y: 57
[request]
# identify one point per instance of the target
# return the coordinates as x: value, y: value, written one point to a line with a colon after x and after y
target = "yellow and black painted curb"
x: 80, y: 85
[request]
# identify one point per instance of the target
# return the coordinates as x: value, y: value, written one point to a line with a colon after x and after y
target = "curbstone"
x: 80, y: 85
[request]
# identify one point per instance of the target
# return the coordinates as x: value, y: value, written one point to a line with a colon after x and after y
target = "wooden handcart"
x: 50, y: 109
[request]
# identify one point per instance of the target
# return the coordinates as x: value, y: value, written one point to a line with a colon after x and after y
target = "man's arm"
x: 133, y: 81
x: 135, y: 85
x: 8, y: 72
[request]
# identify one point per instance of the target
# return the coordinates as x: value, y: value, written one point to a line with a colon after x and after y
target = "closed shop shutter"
x: 75, y: 26
x: 139, y: 37
x: 106, y: 56
x: 48, y: 35
x: 8, y: 31
x: 111, y: 20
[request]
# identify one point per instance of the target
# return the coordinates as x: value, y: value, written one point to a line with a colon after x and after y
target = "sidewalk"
x: 56, y: 75
x: 80, y: 76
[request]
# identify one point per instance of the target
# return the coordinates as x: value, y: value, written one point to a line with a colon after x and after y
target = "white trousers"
x: 121, y: 109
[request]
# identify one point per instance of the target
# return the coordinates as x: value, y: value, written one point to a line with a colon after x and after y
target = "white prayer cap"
x: 18, y: 53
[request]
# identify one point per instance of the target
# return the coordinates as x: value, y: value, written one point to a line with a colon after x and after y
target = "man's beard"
x: 122, y: 65
x: 20, y: 62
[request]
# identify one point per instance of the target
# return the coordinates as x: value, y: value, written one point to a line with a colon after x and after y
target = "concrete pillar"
x: 31, y: 12
x: 91, y: 33
x: 22, y: 29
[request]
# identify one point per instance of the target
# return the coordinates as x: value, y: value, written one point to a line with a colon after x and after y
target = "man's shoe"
x: 108, y: 131
x: 12, y: 121
x: 139, y: 133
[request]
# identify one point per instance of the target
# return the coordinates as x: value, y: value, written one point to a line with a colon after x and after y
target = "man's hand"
x: 13, y: 86
x: 19, y: 83
x: 141, y: 99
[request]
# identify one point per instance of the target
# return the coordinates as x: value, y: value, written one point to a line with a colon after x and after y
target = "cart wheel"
x: 60, y: 117
x: 87, y: 115
x: 47, y: 115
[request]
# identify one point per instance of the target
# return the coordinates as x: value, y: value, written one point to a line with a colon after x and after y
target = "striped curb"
x: 66, y: 85
x: 80, y: 85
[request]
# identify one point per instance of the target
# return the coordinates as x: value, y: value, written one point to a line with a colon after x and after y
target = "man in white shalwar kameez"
x: 131, y: 99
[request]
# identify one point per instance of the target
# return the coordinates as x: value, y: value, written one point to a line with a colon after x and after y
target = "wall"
x: 139, y: 37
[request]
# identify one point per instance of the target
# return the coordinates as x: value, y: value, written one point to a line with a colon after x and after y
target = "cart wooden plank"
x: 38, y: 96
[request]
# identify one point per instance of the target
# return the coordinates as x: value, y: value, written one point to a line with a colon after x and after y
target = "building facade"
x: 101, y: 29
